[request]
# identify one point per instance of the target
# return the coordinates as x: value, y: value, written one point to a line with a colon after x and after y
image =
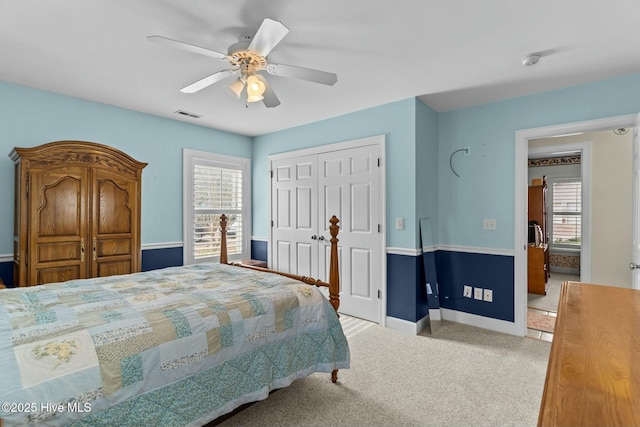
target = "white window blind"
x: 215, y: 185
x: 567, y: 213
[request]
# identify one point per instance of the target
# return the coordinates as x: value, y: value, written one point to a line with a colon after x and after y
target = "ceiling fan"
x: 247, y: 58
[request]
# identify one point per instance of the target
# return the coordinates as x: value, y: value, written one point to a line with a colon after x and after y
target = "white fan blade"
x: 208, y: 81
x: 267, y: 37
x: 301, y: 73
x: 270, y: 99
x: 186, y: 46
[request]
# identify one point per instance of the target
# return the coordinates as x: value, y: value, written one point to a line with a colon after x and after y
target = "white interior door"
x: 349, y: 183
x: 635, y: 250
x: 306, y: 190
x: 295, y: 216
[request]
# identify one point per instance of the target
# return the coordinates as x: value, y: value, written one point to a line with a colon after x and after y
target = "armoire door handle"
x: 94, y: 248
x: 82, y: 249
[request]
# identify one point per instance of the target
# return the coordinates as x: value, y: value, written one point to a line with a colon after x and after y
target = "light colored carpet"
x: 549, y: 302
x: 459, y: 376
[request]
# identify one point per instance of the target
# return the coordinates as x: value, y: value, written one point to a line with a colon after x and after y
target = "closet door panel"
x: 295, y: 216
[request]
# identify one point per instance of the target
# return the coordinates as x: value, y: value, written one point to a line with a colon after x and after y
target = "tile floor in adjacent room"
x: 538, y: 334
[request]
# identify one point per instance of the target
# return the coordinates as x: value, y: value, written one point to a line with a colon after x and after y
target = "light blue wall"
x: 32, y: 117
x: 396, y: 121
x: 486, y: 186
x: 426, y: 165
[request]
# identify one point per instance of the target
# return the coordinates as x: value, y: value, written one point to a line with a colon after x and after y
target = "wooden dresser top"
x: 593, y: 376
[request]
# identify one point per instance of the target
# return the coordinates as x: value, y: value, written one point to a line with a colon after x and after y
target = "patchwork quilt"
x: 172, y: 347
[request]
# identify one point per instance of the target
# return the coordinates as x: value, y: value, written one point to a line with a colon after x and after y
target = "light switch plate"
x: 477, y: 293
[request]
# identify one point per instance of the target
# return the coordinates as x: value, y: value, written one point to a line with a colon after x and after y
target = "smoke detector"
x: 531, y: 59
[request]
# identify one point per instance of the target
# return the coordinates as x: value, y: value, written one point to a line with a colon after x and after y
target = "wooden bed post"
x: 224, y: 259
x: 334, y: 274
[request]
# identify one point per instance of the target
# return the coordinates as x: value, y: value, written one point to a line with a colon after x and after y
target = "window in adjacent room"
x: 566, y: 213
x: 215, y: 184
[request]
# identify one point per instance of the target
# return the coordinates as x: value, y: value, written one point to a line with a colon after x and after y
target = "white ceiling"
x: 449, y: 53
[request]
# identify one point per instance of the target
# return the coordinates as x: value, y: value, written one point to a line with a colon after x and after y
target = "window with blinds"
x: 566, y: 213
x: 215, y: 186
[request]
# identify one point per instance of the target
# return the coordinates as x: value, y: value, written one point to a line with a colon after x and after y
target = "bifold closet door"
x: 348, y: 182
x: 294, y: 214
x: 306, y: 192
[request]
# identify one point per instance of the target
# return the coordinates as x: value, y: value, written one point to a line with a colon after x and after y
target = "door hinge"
x: 379, y: 294
x: 379, y: 228
x: 271, y: 174
x: 378, y: 161
x: 272, y: 223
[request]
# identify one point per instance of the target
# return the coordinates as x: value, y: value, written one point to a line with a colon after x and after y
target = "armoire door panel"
x: 59, y: 274
x: 114, y: 228
x: 111, y: 268
x: 59, y: 251
x: 58, y: 206
x: 114, y: 214
x: 58, y: 203
x: 113, y: 246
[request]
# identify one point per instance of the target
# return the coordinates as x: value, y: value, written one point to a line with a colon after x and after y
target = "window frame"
x: 552, y: 212
x: 191, y: 158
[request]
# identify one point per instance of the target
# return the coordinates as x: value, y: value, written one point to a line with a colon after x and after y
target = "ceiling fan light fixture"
x: 255, y: 89
x: 236, y: 87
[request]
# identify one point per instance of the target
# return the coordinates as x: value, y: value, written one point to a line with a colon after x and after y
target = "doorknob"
x: 321, y: 238
x: 314, y: 237
x: 633, y: 266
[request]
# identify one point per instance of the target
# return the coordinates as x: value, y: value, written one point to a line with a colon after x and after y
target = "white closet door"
x: 295, y: 215
x: 349, y: 185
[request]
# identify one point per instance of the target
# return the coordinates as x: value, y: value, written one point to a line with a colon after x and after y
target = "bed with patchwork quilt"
x: 171, y: 347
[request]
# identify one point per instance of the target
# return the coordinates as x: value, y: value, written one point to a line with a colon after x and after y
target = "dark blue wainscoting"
x: 259, y: 250
x: 6, y: 273
x: 495, y: 272
x: 152, y: 259
x: 406, y: 297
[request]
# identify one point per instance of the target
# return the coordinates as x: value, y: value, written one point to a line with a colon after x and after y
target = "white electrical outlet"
x: 489, y: 224
x: 399, y: 223
x: 467, y: 291
x: 488, y: 295
x: 429, y: 290
x: 477, y: 293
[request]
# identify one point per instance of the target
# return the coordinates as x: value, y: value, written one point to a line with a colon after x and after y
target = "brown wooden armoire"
x: 538, y: 256
x: 77, y: 212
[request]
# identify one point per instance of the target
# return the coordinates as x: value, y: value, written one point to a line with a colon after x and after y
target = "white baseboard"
x: 408, y: 327
x: 479, y: 321
x: 6, y: 257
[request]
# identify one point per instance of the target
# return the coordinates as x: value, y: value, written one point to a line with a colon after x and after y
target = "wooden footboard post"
x: 224, y: 259
x: 334, y: 275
